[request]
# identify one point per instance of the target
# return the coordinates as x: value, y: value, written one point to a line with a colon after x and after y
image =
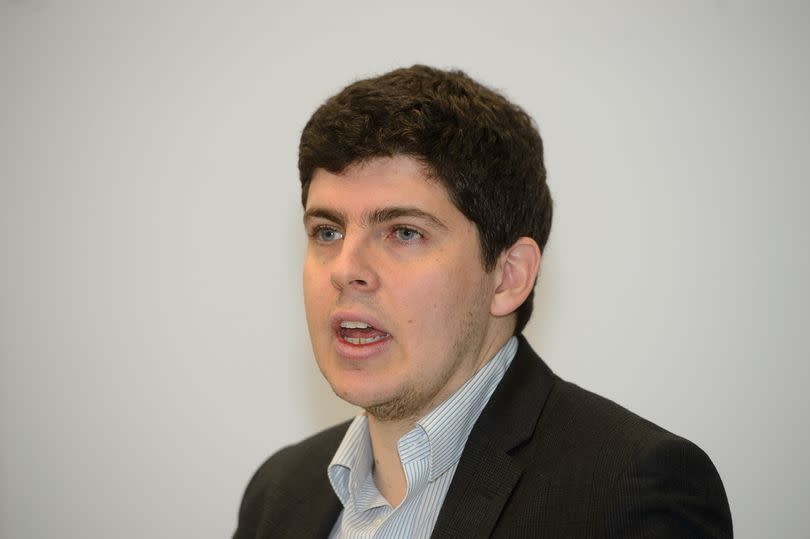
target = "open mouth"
x: 360, y: 333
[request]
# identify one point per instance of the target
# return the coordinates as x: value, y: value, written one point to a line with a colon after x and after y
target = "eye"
x: 407, y: 234
x: 326, y: 234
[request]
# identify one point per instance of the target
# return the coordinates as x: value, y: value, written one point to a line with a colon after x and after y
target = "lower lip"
x: 360, y: 351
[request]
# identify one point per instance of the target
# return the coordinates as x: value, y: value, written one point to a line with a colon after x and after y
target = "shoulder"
x: 290, y: 476
x: 591, y: 418
x: 603, y: 434
x: 568, y: 418
x: 641, y: 478
x: 298, y: 460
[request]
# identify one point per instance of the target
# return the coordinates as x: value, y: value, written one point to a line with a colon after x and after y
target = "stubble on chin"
x: 413, y: 403
x: 402, y: 407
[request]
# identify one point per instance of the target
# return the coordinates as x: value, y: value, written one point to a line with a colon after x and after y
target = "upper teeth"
x: 351, y: 324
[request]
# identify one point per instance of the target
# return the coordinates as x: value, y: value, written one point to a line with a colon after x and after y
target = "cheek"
x: 432, y: 299
x: 315, y: 276
x: 314, y: 293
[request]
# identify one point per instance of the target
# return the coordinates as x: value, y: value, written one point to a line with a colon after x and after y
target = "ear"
x: 516, y: 273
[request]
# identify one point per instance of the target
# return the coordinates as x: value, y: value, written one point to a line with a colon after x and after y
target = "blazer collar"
x: 487, y: 472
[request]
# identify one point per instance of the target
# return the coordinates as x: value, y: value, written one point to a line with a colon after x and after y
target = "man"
x: 427, y: 210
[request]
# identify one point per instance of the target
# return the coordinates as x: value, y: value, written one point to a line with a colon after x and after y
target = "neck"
x: 389, y: 476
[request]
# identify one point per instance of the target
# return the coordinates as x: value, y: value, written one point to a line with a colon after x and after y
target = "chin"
x: 352, y: 390
x: 367, y: 395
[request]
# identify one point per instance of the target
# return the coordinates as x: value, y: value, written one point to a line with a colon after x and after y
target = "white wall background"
x: 152, y: 342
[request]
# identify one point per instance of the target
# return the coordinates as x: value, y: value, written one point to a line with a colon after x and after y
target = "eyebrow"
x: 377, y: 216
x: 324, y: 213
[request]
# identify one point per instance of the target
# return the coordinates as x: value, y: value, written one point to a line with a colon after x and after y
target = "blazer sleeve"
x: 671, y: 490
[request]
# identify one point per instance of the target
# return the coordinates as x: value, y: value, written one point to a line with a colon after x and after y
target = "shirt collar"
x: 448, y: 426
x: 352, y: 462
x: 445, y: 429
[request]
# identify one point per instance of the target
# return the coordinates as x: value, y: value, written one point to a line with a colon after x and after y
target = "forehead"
x: 379, y: 182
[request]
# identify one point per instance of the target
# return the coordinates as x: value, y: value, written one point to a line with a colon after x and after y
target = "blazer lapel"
x: 483, y: 482
x: 488, y: 470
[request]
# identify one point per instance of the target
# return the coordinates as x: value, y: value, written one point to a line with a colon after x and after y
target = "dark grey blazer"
x: 545, y: 459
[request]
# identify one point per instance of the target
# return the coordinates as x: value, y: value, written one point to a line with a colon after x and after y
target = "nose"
x: 353, y: 268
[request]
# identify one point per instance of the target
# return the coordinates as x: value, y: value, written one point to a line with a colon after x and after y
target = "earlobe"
x: 517, y: 269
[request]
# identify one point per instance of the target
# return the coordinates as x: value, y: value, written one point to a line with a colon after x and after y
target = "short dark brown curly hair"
x: 485, y: 150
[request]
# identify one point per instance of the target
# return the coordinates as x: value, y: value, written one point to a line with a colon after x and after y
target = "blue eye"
x: 407, y: 234
x: 326, y: 234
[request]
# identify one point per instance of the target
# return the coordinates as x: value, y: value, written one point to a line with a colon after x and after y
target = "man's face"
x: 397, y: 300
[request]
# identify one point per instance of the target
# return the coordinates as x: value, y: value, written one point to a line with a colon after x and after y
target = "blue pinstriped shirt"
x: 429, y: 455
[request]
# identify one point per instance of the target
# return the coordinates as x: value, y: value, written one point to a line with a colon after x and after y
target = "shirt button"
x: 378, y: 521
